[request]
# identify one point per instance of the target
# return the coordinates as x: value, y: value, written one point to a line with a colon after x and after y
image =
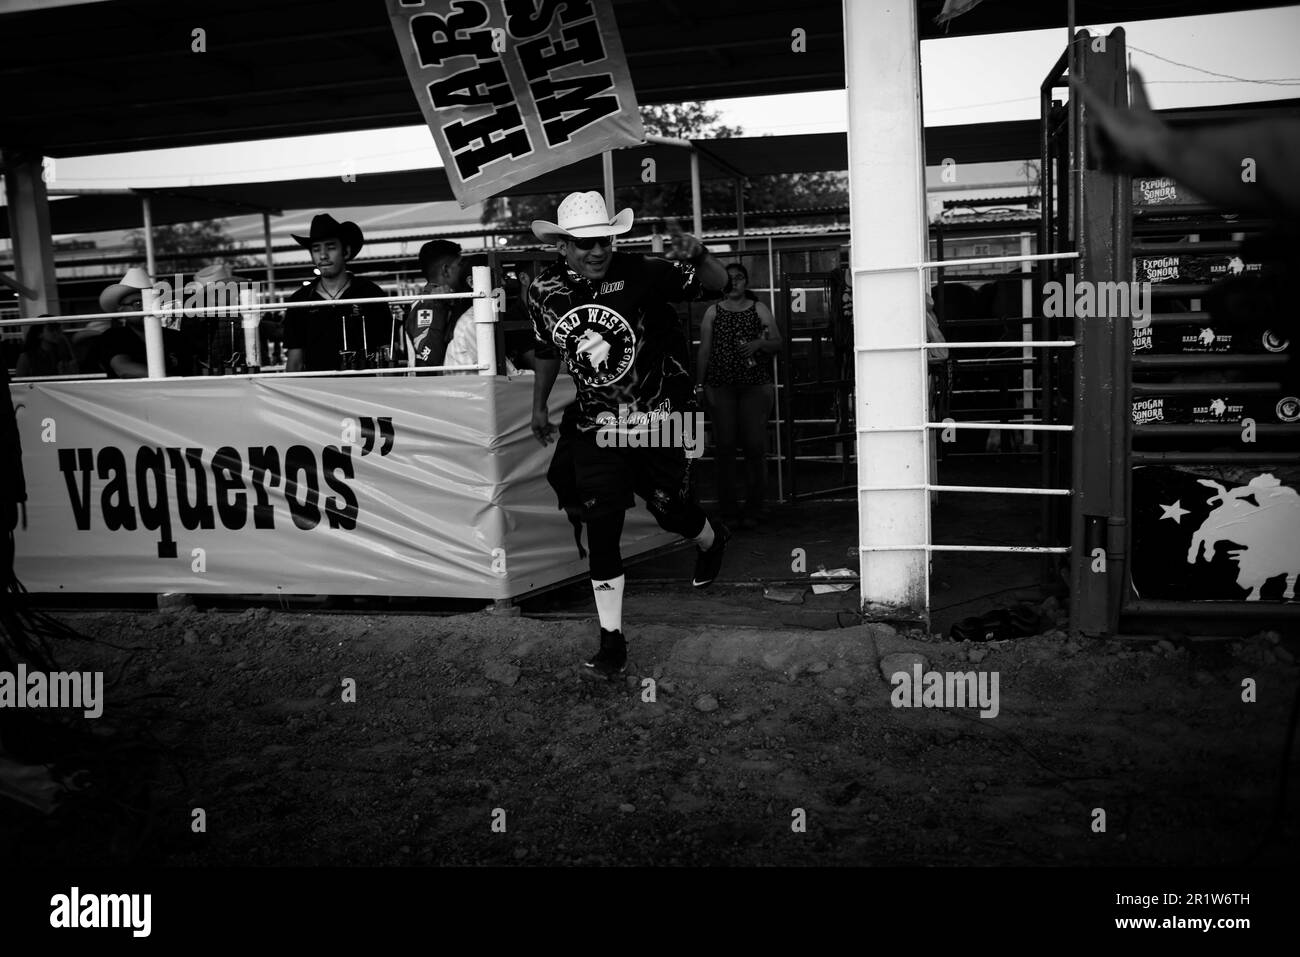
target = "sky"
x: 964, y: 80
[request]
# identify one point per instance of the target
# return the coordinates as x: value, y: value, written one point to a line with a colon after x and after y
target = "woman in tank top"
x: 738, y: 337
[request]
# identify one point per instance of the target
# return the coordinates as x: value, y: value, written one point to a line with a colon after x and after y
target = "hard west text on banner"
x: 512, y: 89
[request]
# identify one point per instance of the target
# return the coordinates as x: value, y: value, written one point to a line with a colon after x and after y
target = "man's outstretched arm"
x: 1210, y: 161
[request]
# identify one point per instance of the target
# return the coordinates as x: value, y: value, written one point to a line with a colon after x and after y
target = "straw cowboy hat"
x: 324, y: 226
x: 582, y: 215
x: 217, y: 272
x: 135, y: 280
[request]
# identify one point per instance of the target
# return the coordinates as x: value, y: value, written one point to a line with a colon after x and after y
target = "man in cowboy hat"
x: 316, y: 339
x: 120, y: 350
x: 430, y: 323
x: 600, y: 311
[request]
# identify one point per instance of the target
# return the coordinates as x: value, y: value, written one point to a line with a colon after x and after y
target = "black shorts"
x: 591, y: 481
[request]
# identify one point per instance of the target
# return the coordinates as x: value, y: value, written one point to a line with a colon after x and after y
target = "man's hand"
x: 542, y: 428
x: 684, y: 245
x: 1131, y: 140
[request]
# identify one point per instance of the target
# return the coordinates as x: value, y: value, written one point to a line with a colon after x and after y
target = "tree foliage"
x: 689, y: 121
x: 185, y: 247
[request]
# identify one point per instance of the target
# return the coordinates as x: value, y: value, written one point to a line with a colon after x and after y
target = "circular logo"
x: 599, y: 344
x: 1273, y: 341
x: 1288, y: 410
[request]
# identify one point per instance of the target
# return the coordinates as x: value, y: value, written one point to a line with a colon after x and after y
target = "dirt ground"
x: 455, y: 717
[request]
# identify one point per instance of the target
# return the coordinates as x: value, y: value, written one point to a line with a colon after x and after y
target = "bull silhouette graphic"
x: 1267, y: 532
x: 1218, y: 407
x: 1207, y: 337
x: 592, y: 345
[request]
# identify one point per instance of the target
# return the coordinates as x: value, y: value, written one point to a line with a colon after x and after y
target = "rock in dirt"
x: 325, y: 689
x: 668, y: 687
x: 786, y: 596
x: 627, y: 808
x: 191, y: 636
x: 977, y: 654
x: 890, y: 665
x: 817, y: 667
x: 1165, y: 645
x: 1283, y: 655
x: 502, y: 672
x: 706, y: 703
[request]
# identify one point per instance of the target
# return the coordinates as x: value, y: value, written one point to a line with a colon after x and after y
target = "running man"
x: 601, y: 312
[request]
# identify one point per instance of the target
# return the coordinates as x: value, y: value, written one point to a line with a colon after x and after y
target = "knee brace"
x: 675, y: 513
x: 604, y: 533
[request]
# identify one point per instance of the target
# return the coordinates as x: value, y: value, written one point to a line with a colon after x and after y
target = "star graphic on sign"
x: 1175, y: 511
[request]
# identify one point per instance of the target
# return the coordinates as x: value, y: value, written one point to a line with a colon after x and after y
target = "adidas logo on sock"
x: 603, y: 586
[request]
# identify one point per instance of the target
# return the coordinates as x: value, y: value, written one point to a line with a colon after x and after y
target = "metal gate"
x: 817, y: 394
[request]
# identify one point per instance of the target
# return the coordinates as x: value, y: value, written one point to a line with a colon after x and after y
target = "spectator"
x: 120, y: 349
x: 336, y: 336
x: 46, y: 351
x: 431, y: 323
x: 737, y: 337
x: 215, y: 338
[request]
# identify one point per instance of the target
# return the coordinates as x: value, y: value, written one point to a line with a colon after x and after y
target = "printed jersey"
x: 430, y: 324
x: 618, y: 339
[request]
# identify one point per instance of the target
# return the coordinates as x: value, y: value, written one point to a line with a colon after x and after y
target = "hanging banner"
x: 430, y: 486
x: 511, y: 91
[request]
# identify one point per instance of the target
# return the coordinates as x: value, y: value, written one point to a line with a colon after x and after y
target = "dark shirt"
x: 121, y: 340
x: 618, y: 341
x: 318, y: 332
x: 430, y: 325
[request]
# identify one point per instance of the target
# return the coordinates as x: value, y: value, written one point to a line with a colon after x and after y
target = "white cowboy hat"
x: 582, y: 215
x: 217, y: 272
x: 135, y: 280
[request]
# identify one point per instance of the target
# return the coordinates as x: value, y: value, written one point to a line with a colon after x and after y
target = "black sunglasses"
x: 591, y: 241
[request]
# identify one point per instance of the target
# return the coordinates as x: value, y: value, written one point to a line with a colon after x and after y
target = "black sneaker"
x: 612, y: 658
x: 709, y: 563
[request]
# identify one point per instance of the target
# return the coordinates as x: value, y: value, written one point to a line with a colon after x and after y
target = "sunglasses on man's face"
x: 591, y: 241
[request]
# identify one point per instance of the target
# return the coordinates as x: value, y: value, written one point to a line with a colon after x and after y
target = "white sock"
x: 705, y: 538
x: 609, y: 602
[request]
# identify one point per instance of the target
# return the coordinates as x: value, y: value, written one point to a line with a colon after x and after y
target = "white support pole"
x: 250, y: 321
x: 886, y: 186
x: 34, y: 275
x: 607, y: 165
x: 485, y: 318
x: 148, y: 236
x: 695, y: 195
x: 1027, y: 330
x: 155, y: 358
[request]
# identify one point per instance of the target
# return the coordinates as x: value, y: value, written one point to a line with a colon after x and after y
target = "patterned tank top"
x: 727, y: 364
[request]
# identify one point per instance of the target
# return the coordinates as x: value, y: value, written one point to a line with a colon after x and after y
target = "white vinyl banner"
x: 513, y: 89
x: 428, y: 486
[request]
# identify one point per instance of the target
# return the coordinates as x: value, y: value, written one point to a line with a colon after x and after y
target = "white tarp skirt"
x: 431, y: 486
